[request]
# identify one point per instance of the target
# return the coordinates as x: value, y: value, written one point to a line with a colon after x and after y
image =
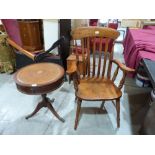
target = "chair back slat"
x: 95, y: 43
x: 100, y: 57
x: 105, y: 56
x: 94, y: 56
x: 83, y: 56
x: 110, y: 63
x: 77, y: 55
x: 88, y: 53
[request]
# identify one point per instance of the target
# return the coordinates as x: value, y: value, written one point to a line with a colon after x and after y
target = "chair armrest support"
x: 122, y: 66
x: 124, y: 69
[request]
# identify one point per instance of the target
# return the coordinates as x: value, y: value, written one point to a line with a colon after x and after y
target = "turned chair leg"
x: 102, y: 105
x: 75, y: 99
x: 118, y: 112
x: 70, y: 78
x: 77, y: 113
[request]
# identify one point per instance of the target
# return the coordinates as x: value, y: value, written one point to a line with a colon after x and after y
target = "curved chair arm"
x: 72, y: 72
x: 43, y: 55
x: 124, y: 69
x: 40, y: 56
x: 16, y: 46
x: 122, y: 66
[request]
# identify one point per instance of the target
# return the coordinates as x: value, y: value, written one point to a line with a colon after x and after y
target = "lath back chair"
x: 95, y: 83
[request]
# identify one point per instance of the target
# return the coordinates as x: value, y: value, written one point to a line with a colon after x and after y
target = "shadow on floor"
x: 92, y: 111
x: 138, y: 107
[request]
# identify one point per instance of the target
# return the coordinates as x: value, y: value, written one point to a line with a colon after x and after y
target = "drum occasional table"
x: 40, y: 79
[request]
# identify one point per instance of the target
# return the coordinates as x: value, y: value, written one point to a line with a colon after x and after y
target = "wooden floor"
x: 14, y: 106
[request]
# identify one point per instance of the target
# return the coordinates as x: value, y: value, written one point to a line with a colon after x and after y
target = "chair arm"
x: 16, y: 46
x: 71, y: 65
x: 71, y: 70
x: 122, y: 66
x: 124, y: 69
x: 38, y: 57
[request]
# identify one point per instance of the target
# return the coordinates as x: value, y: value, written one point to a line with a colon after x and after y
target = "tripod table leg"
x: 51, y: 108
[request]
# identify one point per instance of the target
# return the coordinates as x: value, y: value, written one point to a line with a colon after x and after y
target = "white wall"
x: 51, y: 32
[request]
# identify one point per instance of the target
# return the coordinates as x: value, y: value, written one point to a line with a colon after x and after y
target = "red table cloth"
x: 139, y: 44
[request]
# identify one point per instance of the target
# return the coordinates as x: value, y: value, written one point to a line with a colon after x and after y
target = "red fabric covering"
x: 149, y: 27
x: 144, y: 54
x: 113, y: 25
x: 110, y: 25
x: 138, y: 44
x: 79, y: 50
x: 103, y: 44
x: 93, y: 22
x: 12, y: 29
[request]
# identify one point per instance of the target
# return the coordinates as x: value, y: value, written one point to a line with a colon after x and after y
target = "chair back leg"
x: 118, y: 112
x: 77, y: 113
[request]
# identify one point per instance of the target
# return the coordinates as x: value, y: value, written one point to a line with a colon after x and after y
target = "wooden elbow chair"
x: 95, y: 82
x: 34, y: 57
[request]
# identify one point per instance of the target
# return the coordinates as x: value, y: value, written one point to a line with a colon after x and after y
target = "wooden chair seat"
x: 98, y: 89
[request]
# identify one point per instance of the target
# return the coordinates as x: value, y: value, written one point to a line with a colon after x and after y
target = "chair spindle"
x: 105, y: 56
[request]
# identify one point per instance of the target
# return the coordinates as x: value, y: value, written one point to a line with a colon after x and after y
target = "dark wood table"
x: 148, y: 126
x: 149, y: 66
x: 40, y: 79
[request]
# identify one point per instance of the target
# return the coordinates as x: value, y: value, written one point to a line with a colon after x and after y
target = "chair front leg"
x: 118, y: 112
x: 70, y: 78
x: 77, y: 113
x: 102, y: 105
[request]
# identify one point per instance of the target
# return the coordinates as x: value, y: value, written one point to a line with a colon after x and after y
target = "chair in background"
x: 114, y: 24
x: 95, y: 83
x: 23, y: 57
x: 93, y: 22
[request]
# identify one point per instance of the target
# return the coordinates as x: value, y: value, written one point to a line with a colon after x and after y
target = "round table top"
x: 39, y: 74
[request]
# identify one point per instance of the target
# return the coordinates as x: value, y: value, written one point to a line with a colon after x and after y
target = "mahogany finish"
x: 71, y: 62
x: 96, y: 83
x: 31, y: 34
x: 39, y: 79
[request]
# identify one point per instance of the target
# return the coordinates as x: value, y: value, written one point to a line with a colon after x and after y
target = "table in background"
x: 148, y: 126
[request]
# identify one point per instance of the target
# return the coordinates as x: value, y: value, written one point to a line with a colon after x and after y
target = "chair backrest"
x: 95, y: 61
x: 93, y: 22
x: 113, y: 24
